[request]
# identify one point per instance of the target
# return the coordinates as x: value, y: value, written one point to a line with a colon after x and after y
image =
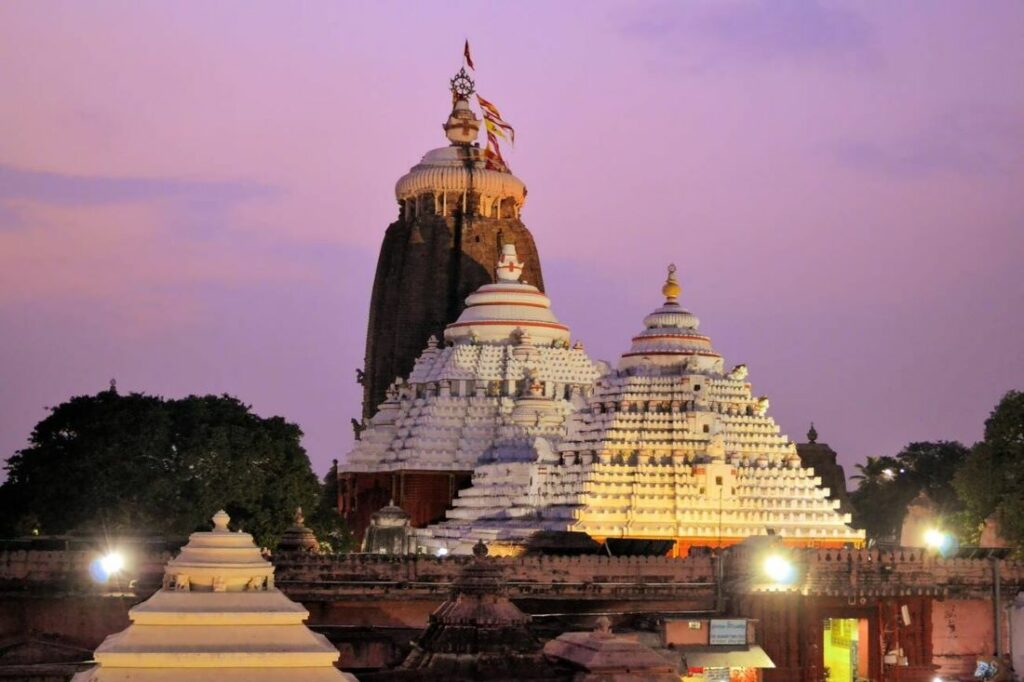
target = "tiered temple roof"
x: 667, y: 446
x: 506, y: 371
x: 217, y: 618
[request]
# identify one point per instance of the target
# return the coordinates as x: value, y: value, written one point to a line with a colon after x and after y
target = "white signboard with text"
x: 731, y: 632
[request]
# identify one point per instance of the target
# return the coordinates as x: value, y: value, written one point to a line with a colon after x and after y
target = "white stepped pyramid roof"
x: 463, y: 396
x: 217, y: 618
x: 668, y: 445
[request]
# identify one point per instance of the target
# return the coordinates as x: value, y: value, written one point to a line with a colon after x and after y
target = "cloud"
x: 970, y: 143
x: 136, y: 251
x: 68, y: 190
x: 754, y: 32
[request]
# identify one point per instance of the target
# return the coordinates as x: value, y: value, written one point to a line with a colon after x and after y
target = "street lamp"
x: 106, y: 566
x: 779, y: 569
x: 939, y: 541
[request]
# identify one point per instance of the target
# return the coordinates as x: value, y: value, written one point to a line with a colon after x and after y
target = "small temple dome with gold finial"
x: 508, y: 309
x: 450, y: 174
x: 670, y: 336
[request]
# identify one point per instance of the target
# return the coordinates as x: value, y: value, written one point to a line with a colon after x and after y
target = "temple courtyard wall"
x: 938, y: 612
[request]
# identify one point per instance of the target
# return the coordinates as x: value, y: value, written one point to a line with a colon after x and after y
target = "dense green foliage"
x: 141, y: 464
x: 966, y: 486
x: 335, y: 537
x: 888, y: 484
x: 990, y: 481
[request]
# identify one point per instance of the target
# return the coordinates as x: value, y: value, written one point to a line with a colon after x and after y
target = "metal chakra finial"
x: 812, y: 435
x: 462, y: 85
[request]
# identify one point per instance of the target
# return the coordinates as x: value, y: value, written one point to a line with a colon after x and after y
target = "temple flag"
x: 469, y: 59
x: 488, y: 106
x: 492, y: 154
x: 492, y: 118
x: 495, y: 128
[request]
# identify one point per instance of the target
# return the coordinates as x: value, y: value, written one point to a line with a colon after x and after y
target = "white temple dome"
x: 460, y: 167
x: 670, y: 336
x: 219, y: 560
x: 502, y: 311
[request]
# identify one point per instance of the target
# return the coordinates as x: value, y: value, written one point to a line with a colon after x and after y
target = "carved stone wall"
x: 46, y: 596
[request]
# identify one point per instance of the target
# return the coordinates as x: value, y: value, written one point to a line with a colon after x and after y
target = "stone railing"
x: 24, y: 567
x: 59, y: 565
x: 546, y: 577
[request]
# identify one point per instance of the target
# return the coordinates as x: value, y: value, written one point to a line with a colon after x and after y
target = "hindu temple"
x: 526, y: 512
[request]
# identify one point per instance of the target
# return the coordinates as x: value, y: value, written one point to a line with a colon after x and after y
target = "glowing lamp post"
x: 106, y: 566
x: 778, y: 569
x: 939, y: 541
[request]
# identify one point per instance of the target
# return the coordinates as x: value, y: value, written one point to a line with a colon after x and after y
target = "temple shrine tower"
x: 456, y: 210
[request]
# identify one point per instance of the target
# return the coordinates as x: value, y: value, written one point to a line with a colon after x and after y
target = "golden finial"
x: 671, y: 290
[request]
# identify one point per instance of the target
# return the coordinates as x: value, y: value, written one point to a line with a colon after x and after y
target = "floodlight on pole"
x: 939, y: 540
x: 107, y: 566
x: 779, y: 569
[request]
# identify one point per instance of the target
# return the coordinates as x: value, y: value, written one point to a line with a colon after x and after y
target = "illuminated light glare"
x: 938, y: 540
x: 106, y: 566
x: 889, y: 473
x: 112, y: 563
x: 442, y: 551
x: 779, y: 570
x: 936, y: 679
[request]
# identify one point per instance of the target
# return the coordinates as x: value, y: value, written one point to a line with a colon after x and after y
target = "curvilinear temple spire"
x: 456, y: 211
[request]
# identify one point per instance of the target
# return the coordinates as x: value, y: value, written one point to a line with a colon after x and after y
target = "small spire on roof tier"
x: 220, y: 521
x: 671, y: 289
x: 510, y: 268
x: 812, y: 435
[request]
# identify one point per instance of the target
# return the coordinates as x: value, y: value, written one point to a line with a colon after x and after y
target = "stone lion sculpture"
x: 738, y: 373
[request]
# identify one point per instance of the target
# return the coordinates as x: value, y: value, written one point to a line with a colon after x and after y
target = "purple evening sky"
x: 192, y: 195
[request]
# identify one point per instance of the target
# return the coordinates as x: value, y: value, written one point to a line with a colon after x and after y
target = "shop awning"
x: 751, y: 656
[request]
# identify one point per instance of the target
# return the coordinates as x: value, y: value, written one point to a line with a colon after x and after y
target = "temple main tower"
x: 456, y: 210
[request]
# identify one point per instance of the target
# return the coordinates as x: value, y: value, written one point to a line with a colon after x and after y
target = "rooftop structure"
x: 601, y: 656
x: 456, y: 210
x: 297, y: 537
x: 667, y: 446
x: 506, y: 372
x: 218, y: 617
x: 478, y: 633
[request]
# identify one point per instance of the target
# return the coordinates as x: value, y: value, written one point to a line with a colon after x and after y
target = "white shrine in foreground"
x: 217, y: 618
x: 666, y: 446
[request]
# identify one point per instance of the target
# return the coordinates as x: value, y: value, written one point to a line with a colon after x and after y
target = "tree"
x: 989, y: 480
x: 141, y: 464
x: 880, y: 500
x: 888, y: 484
x: 331, y: 530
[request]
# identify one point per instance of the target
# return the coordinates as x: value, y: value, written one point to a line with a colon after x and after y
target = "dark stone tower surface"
x: 822, y: 458
x: 456, y: 209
